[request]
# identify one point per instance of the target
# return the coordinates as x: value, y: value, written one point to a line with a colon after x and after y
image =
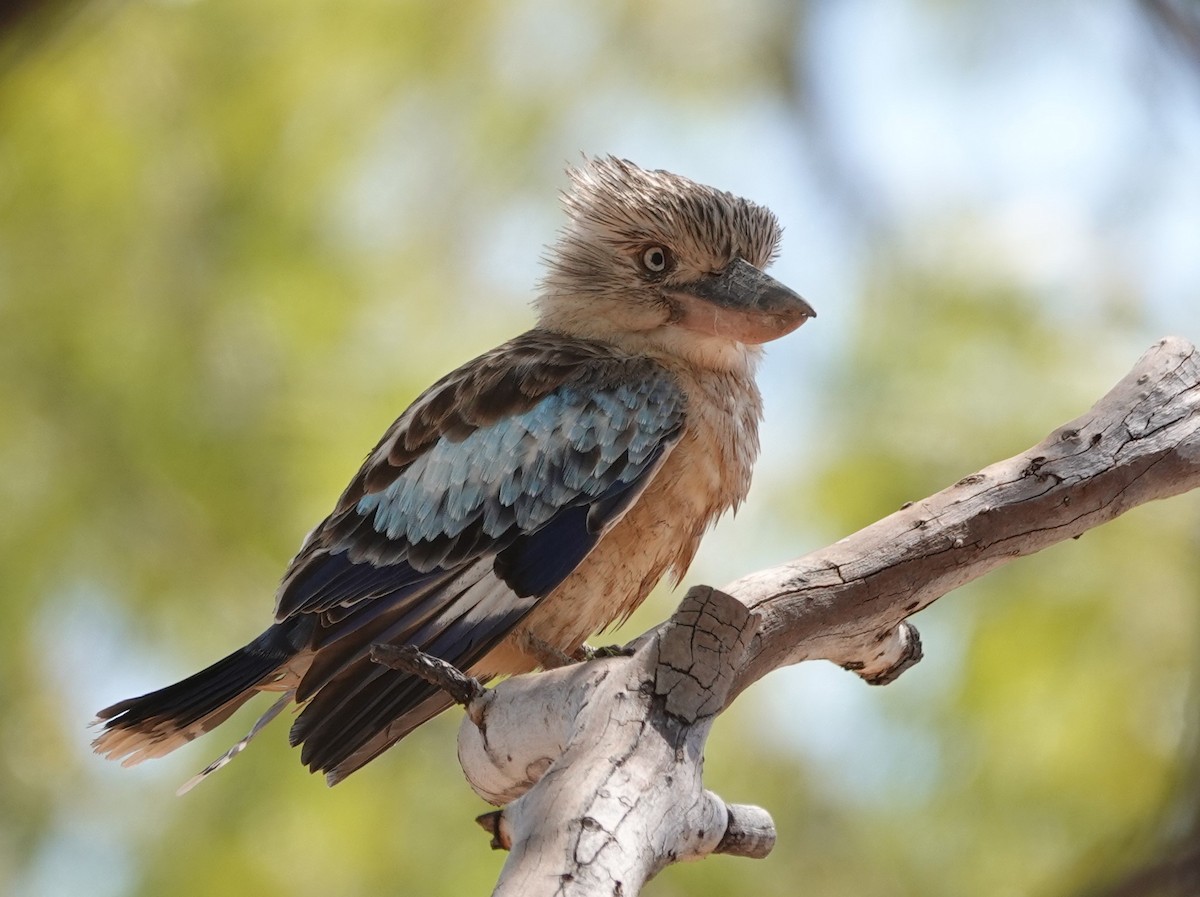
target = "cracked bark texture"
x: 599, y: 765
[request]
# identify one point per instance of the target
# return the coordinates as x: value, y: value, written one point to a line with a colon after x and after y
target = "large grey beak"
x: 741, y: 303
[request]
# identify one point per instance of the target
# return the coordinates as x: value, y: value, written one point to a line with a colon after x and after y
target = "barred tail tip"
x: 157, y: 723
x: 132, y: 741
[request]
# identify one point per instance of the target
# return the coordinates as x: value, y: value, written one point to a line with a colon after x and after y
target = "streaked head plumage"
x: 640, y: 246
x: 617, y: 202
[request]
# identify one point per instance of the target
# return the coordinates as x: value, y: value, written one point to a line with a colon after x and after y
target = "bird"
x: 528, y: 499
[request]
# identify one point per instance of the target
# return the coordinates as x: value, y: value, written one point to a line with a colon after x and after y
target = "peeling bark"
x: 599, y: 765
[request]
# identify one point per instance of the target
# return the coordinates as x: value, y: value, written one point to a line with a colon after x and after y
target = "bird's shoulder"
x: 513, y: 380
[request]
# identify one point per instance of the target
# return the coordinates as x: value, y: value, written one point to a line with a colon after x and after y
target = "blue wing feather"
x: 498, y: 483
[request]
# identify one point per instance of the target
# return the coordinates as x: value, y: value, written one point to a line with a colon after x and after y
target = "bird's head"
x: 653, y: 261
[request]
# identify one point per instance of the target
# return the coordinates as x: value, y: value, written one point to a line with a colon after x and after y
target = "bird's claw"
x: 587, y: 652
x: 548, y: 656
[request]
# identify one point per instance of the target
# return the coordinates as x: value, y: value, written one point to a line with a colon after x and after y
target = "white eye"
x: 655, y: 259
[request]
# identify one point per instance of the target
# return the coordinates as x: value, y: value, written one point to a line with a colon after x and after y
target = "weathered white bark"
x: 599, y: 765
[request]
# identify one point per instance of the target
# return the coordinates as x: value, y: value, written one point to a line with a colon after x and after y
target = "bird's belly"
x: 660, y: 531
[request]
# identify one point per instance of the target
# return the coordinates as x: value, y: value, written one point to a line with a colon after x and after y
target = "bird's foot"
x: 551, y: 657
x: 462, y: 688
x: 548, y: 656
x: 587, y: 652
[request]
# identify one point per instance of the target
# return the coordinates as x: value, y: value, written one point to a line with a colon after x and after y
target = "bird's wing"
x: 478, y: 502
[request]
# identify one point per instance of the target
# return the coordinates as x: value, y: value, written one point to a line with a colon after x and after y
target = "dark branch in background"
x: 16, y: 13
x: 1177, y: 875
x: 851, y: 189
x: 26, y: 25
x: 1173, y: 869
x: 1178, y: 21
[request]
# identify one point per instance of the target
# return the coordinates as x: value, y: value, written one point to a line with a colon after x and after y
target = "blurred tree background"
x: 237, y: 238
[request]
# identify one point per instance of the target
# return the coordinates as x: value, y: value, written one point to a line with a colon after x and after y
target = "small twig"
x: 493, y: 824
x: 464, y: 689
x: 751, y: 832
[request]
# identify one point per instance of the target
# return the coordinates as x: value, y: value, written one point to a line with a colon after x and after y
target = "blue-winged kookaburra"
x: 533, y: 496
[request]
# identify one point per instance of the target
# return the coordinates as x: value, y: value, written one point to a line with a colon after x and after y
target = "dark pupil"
x: 656, y: 259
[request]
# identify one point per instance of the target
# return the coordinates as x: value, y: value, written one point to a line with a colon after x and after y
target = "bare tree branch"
x: 845, y: 603
x: 600, y: 764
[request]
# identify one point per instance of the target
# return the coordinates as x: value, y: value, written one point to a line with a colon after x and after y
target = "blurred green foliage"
x: 235, y: 239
